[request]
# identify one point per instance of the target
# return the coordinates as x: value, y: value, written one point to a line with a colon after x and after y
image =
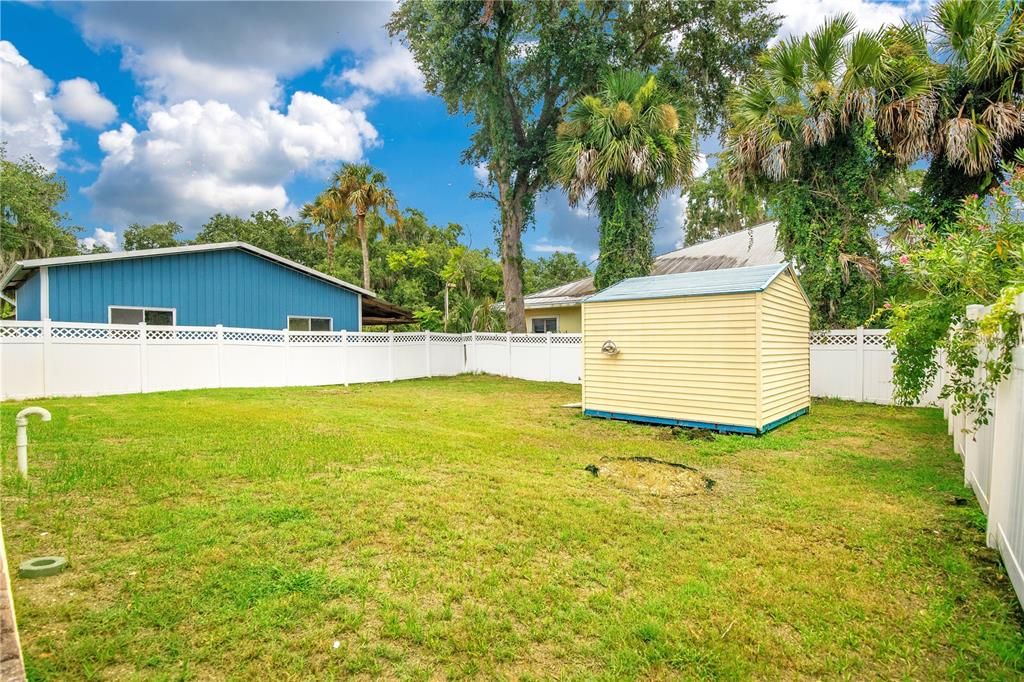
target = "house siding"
x: 570, y: 321
x: 27, y: 298
x: 230, y: 287
x: 691, y: 358
x: 785, y: 350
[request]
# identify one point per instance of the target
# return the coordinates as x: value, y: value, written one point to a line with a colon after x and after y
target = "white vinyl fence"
x: 44, y: 359
x: 855, y: 364
x: 993, y: 457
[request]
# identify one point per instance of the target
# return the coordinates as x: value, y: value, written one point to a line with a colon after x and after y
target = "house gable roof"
x: 19, y: 271
x: 705, y: 283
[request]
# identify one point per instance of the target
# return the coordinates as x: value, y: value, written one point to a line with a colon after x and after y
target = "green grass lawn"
x: 447, y: 527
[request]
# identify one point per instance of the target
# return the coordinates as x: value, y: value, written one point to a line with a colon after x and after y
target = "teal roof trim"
x: 708, y: 282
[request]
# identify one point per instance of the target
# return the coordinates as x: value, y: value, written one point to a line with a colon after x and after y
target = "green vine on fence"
x: 980, y: 261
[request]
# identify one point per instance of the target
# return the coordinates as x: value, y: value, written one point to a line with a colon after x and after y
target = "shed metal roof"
x: 705, y: 283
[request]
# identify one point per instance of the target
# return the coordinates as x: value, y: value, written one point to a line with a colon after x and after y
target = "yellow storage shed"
x: 726, y: 350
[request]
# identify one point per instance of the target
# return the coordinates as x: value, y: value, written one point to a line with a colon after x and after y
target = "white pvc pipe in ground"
x: 21, y: 439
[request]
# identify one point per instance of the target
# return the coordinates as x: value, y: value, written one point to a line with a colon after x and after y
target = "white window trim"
x: 556, y: 318
x: 172, y: 311
x: 330, y: 320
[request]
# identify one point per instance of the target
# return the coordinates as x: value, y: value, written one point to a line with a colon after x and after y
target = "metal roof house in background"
x: 558, y: 309
x: 233, y: 283
x: 721, y: 349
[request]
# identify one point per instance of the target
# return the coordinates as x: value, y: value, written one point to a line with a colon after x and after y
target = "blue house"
x: 234, y: 284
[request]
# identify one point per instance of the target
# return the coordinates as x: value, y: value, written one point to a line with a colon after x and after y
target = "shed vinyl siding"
x: 230, y: 287
x: 785, y: 349
x: 688, y: 358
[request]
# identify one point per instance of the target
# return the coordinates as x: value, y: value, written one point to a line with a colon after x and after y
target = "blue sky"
x: 175, y: 111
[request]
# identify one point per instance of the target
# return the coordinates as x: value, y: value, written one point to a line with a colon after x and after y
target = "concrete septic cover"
x: 653, y: 477
x: 42, y: 566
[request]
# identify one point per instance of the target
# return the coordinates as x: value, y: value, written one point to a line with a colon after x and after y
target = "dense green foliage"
x: 825, y: 129
x: 552, y: 271
x: 446, y: 528
x: 155, y: 236
x: 976, y: 106
x: 627, y: 144
x: 514, y: 67
x: 31, y: 224
x: 833, y: 120
x: 978, y: 261
x: 716, y: 207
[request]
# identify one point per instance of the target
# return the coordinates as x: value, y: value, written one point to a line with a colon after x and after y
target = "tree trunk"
x: 331, y: 231
x: 512, y: 280
x: 364, y: 245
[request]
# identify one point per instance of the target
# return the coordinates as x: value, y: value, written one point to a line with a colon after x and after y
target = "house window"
x: 542, y: 325
x: 309, y: 324
x: 133, y: 315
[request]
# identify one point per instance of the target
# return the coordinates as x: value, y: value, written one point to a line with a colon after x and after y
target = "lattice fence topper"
x: 20, y: 332
x: 410, y: 337
x: 97, y: 333
x: 447, y: 338
x: 372, y: 338
x: 253, y: 336
x: 566, y: 339
x: 486, y: 336
x: 848, y: 337
x: 175, y: 334
x: 314, y: 337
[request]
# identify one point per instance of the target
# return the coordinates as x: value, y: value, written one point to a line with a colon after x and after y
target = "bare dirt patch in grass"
x: 649, y: 476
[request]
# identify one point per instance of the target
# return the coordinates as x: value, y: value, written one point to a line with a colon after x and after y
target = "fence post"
x: 547, y: 341
x: 143, y: 360
x: 1007, y: 437
x: 284, y: 356
x: 508, y: 344
x: 391, y: 356
x: 471, y: 355
x: 220, y: 356
x: 47, y: 358
x: 427, y: 344
x: 860, y: 364
x: 344, y: 357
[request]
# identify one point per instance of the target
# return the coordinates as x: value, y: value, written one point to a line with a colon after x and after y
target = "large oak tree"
x: 514, y: 66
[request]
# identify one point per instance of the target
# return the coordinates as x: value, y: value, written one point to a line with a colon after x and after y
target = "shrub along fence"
x: 993, y: 457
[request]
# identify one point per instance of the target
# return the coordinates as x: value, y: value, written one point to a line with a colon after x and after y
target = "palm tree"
x: 360, y: 189
x: 963, y: 111
x: 811, y: 89
x: 626, y: 144
x: 328, y: 211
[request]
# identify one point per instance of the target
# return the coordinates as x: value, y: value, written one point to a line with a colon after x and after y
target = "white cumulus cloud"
x: 803, y: 16
x: 195, y: 159
x: 544, y: 247
x: 28, y: 123
x: 100, y: 237
x: 239, y: 53
x: 482, y: 175
x: 80, y: 100
x: 389, y: 72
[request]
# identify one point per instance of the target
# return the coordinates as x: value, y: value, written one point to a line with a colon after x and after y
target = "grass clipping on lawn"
x: 650, y: 476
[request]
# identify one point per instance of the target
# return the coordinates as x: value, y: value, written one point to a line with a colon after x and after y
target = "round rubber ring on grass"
x: 41, y: 567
